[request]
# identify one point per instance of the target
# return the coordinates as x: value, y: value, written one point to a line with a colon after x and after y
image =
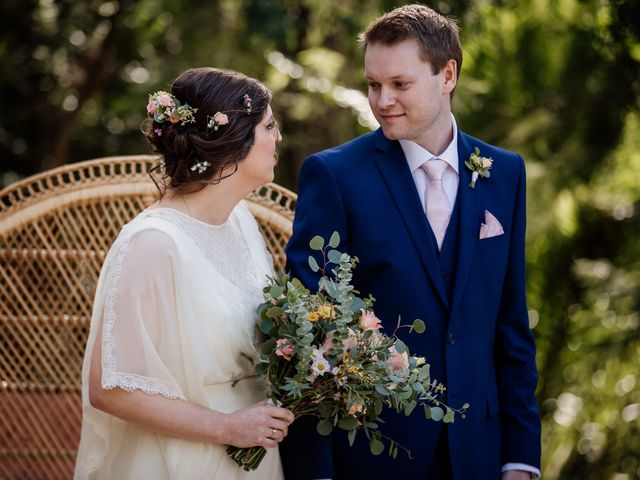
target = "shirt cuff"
x: 522, y: 466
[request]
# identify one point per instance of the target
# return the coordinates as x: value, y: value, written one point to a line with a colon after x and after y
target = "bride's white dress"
x: 175, y: 304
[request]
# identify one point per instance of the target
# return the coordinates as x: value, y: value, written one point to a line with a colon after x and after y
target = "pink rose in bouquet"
x: 398, y: 361
x: 284, y: 348
x: 369, y: 321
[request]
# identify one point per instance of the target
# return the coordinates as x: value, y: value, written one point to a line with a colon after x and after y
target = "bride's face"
x: 257, y: 168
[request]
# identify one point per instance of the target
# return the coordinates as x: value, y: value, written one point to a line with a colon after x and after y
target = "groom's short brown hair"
x: 437, y: 35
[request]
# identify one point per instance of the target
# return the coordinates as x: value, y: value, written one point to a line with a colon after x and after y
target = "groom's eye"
x: 402, y: 85
x: 374, y: 86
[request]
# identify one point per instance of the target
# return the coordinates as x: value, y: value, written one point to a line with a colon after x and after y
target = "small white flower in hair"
x: 200, y: 166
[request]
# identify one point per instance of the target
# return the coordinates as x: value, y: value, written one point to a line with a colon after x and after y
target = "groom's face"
x: 406, y: 97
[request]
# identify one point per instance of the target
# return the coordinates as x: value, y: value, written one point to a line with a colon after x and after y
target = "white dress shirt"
x: 416, y: 156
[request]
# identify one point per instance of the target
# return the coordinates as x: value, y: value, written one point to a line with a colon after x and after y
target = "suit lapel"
x: 470, y: 205
x: 392, y: 164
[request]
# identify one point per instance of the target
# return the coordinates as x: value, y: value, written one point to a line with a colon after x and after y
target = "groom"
x: 435, y: 242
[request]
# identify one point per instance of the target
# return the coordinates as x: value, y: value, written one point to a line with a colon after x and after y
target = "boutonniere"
x: 479, y: 166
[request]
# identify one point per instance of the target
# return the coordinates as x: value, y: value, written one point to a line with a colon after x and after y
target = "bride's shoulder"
x: 147, y: 233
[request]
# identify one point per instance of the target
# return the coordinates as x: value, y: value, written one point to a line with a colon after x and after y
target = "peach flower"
x: 357, y: 407
x: 369, y: 321
x: 397, y: 360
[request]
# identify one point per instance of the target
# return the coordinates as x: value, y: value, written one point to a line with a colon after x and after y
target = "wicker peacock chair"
x: 55, y: 230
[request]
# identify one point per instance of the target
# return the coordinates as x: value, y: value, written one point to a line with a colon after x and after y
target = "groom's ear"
x: 449, y: 77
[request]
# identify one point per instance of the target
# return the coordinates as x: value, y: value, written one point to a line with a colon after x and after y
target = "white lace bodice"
x: 227, y: 247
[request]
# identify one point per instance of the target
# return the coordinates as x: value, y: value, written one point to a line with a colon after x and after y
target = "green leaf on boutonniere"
x: 479, y: 166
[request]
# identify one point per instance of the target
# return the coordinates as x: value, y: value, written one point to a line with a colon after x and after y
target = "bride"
x: 168, y: 379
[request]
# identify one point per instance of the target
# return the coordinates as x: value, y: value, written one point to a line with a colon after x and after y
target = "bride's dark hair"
x: 209, y: 90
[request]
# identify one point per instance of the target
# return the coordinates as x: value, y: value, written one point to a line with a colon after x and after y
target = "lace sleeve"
x: 139, y: 351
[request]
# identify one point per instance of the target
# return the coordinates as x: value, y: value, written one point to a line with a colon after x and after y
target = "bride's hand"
x: 259, y: 424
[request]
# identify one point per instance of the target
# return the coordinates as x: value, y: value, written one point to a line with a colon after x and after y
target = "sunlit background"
x: 556, y: 80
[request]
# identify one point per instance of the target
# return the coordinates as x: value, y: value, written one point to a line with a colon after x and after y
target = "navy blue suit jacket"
x: 478, y: 340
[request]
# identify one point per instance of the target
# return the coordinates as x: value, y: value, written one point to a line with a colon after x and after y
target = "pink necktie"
x: 436, y: 202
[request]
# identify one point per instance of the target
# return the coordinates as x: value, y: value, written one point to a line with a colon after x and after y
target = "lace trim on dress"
x: 131, y: 382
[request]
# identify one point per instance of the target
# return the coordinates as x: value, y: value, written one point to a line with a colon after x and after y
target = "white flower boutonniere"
x: 479, y: 166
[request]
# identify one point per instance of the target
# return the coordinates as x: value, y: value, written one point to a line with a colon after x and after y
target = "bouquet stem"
x: 248, y: 458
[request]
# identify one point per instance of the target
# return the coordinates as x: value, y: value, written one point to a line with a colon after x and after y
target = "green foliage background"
x: 556, y: 80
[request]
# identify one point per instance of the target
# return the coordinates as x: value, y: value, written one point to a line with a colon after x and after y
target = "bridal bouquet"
x: 325, y: 355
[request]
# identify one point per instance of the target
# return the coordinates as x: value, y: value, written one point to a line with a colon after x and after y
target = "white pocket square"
x: 491, y: 226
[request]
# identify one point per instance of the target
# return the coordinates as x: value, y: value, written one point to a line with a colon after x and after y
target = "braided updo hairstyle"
x: 210, y: 90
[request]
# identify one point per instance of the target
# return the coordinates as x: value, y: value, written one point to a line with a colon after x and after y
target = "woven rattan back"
x: 55, y: 230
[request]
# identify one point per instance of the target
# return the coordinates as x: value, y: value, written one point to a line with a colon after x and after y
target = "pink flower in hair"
x: 220, y: 118
x: 165, y: 100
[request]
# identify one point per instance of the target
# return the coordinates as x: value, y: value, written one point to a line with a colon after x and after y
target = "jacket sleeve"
x: 319, y: 211
x: 515, y: 351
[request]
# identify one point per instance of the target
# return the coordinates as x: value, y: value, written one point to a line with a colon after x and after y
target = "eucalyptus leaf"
x: 324, y: 427
x: 261, y: 368
x: 437, y: 413
x: 352, y: 436
x: 268, y: 346
x: 425, y: 374
x: 334, y: 241
x: 313, y: 264
x: 332, y: 289
x: 376, y: 446
x: 334, y: 256
x: 377, y: 406
x: 427, y: 412
x: 348, y: 423
x: 382, y: 390
x: 266, y: 326
x: 400, y: 346
x: 276, y: 291
x: 274, y: 312
x: 418, y: 326
x: 316, y: 243
x: 408, y: 409
x: 357, y: 305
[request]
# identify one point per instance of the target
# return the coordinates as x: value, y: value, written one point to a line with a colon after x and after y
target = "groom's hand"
x: 516, y: 475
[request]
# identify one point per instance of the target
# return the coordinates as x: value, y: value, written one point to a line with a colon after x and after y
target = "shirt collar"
x: 416, y: 155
